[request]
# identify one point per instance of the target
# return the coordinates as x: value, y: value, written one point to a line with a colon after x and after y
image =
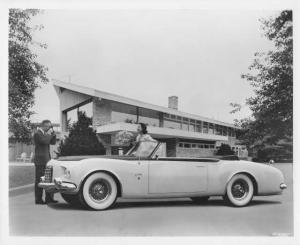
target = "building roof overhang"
x: 158, y: 132
x: 113, y: 97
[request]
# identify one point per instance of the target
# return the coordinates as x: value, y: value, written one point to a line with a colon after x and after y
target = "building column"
x: 63, y: 121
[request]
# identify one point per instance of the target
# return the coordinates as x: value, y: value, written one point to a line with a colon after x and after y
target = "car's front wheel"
x: 239, y: 190
x: 99, y: 191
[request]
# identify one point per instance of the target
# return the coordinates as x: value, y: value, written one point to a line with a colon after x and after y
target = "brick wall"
x: 194, y: 152
x: 101, y: 112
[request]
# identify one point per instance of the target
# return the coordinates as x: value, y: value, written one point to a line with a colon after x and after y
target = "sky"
x: 198, y: 55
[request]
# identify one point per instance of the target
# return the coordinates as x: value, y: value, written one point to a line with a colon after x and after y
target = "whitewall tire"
x: 239, y: 190
x: 99, y: 191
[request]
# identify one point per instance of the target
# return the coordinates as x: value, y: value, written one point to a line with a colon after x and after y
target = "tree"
x: 82, y: 139
x: 25, y: 73
x: 271, y: 74
x: 224, y: 150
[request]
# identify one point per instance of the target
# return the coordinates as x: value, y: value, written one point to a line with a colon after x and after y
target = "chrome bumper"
x: 283, y: 186
x: 56, y: 185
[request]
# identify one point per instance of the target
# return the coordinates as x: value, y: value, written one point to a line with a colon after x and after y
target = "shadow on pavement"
x: 158, y: 204
x: 66, y: 206
x: 209, y: 203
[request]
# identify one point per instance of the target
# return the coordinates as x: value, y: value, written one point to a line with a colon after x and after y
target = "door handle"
x: 138, y: 176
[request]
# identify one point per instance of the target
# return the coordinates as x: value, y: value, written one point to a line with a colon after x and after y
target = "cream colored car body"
x: 169, y: 177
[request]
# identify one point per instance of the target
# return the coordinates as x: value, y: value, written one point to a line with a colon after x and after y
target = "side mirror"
x: 156, y: 157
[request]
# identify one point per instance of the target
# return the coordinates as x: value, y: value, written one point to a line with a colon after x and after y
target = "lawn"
x: 21, y: 175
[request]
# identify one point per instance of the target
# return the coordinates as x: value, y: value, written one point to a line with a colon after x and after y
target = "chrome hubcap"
x: 240, y: 189
x: 99, y: 190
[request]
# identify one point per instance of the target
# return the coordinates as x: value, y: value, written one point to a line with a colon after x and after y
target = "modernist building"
x: 184, y: 134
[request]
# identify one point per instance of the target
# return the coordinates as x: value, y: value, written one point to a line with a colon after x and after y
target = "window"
x: 185, y: 126
x: 211, y: 128
x: 218, y: 130
x: 123, y: 108
x: 191, y: 128
x: 122, y: 117
x: 149, y: 121
x: 172, y: 124
x: 205, y: 127
x: 232, y: 132
x: 72, y: 116
x: 197, y: 145
x: 229, y: 131
x: 88, y: 109
x: 224, y: 130
x: 198, y: 128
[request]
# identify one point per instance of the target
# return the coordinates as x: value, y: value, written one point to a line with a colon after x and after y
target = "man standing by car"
x: 43, y: 137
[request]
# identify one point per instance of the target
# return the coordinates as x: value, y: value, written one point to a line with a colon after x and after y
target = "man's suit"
x: 42, y: 143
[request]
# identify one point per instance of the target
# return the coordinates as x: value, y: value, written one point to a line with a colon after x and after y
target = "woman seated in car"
x: 143, y: 133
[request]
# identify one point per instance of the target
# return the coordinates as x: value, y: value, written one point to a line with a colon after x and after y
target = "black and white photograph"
x: 131, y: 120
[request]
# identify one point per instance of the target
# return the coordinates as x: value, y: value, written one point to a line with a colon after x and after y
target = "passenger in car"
x: 143, y: 133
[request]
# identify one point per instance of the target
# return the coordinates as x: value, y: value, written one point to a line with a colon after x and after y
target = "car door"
x: 177, y: 176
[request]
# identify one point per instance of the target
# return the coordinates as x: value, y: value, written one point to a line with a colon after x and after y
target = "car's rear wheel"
x: 99, y: 191
x: 239, y: 190
x: 71, y: 199
x: 200, y: 200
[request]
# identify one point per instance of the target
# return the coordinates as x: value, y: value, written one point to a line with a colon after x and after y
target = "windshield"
x: 142, y: 149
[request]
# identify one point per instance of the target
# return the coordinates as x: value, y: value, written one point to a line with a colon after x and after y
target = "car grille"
x: 48, y: 174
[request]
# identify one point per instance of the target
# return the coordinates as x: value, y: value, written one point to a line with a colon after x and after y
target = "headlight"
x: 67, y: 173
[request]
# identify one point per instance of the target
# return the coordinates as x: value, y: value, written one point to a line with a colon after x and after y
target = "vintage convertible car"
x: 144, y: 172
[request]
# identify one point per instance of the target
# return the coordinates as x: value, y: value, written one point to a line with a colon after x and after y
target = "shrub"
x: 225, y: 150
x: 82, y: 139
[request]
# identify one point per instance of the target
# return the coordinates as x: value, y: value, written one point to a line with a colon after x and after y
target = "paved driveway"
x: 272, y: 215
